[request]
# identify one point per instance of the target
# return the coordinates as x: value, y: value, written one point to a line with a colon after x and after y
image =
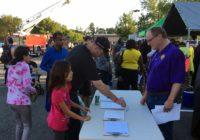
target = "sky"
x: 78, y: 13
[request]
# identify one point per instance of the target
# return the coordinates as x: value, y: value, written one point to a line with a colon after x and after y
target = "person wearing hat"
x: 84, y: 69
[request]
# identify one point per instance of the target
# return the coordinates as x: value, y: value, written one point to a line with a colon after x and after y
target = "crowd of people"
x: 156, y: 66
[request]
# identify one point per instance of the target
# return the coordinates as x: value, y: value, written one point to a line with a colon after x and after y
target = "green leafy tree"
x: 100, y: 31
x: 125, y: 26
x: 110, y: 30
x: 144, y: 22
x: 9, y: 25
x: 163, y: 8
x: 64, y: 30
x: 91, y: 29
x: 75, y: 36
x: 159, y: 8
x: 156, y: 8
x: 150, y: 5
x: 49, y: 26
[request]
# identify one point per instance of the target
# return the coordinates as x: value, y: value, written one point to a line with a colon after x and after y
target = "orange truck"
x: 36, y: 40
x: 32, y: 41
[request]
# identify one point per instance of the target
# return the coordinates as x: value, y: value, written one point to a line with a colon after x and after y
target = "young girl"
x: 19, y: 90
x: 58, y: 118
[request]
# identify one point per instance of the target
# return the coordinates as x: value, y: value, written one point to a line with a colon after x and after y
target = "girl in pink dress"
x: 58, y: 117
x: 19, y: 90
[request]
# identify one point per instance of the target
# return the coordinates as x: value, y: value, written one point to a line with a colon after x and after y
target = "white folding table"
x: 141, y: 124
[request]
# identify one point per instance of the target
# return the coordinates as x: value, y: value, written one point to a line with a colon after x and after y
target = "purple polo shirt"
x: 166, y: 67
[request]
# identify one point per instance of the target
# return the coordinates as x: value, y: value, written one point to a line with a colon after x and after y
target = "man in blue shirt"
x: 57, y: 52
x: 165, y: 75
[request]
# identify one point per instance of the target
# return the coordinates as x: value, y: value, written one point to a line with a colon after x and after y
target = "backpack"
x: 6, y: 56
x: 118, y: 62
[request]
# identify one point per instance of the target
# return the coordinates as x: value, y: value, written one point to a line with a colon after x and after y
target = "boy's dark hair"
x: 19, y: 54
x: 155, y: 31
x: 120, y: 41
x: 130, y: 44
x: 10, y: 40
x: 57, y: 34
x: 182, y: 44
x: 59, y: 72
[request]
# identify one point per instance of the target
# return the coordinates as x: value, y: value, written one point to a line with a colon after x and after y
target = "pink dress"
x: 56, y: 119
x: 19, y: 84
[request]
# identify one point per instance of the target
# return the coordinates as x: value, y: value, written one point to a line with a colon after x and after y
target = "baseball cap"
x: 103, y: 43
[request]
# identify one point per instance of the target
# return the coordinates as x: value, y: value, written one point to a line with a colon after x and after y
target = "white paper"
x: 111, y: 105
x: 114, y: 115
x: 116, y: 128
x: 163, y: 117
x: 105, y: 99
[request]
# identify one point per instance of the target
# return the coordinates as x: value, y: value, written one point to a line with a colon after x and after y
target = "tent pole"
x: 188, y: 34
x: 188, y: 38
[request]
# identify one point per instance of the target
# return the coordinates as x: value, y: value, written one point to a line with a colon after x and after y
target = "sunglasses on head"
x: 99, y: 45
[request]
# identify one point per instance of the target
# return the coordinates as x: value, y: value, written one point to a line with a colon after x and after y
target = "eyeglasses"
x: 149, y: 40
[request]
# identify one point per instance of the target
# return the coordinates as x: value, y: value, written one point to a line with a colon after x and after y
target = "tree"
x: 75, y: 36
x: 110, y: 30
x: 156, y: 8
x: 91, y: 29
x: 163, y: 8
x: 49, y: 26
x: 100, y: 30
x: 9, y: 25
x: 125, y: 26
x: 159, y: 8
x: 144, y: 22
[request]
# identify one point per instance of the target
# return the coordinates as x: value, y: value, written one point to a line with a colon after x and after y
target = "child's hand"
x: 85, y: 109
x: 86, y: 118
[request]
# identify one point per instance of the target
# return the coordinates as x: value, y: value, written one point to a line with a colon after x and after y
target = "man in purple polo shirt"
x: 165, y: 75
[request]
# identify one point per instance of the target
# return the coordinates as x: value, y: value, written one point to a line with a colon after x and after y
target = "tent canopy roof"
x: 181, y: 17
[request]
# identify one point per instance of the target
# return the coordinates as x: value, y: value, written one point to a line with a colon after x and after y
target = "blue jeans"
x: 167, y: 128
x: 23, y: 121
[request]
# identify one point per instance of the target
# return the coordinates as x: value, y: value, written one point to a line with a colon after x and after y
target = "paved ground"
x: 40, y: 130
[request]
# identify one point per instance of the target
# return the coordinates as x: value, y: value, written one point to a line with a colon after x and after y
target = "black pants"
x: 74, y: 125
x: 6, y: 74
x: 195, y: 129
x: 60, y: 135
x: 129, y: 78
